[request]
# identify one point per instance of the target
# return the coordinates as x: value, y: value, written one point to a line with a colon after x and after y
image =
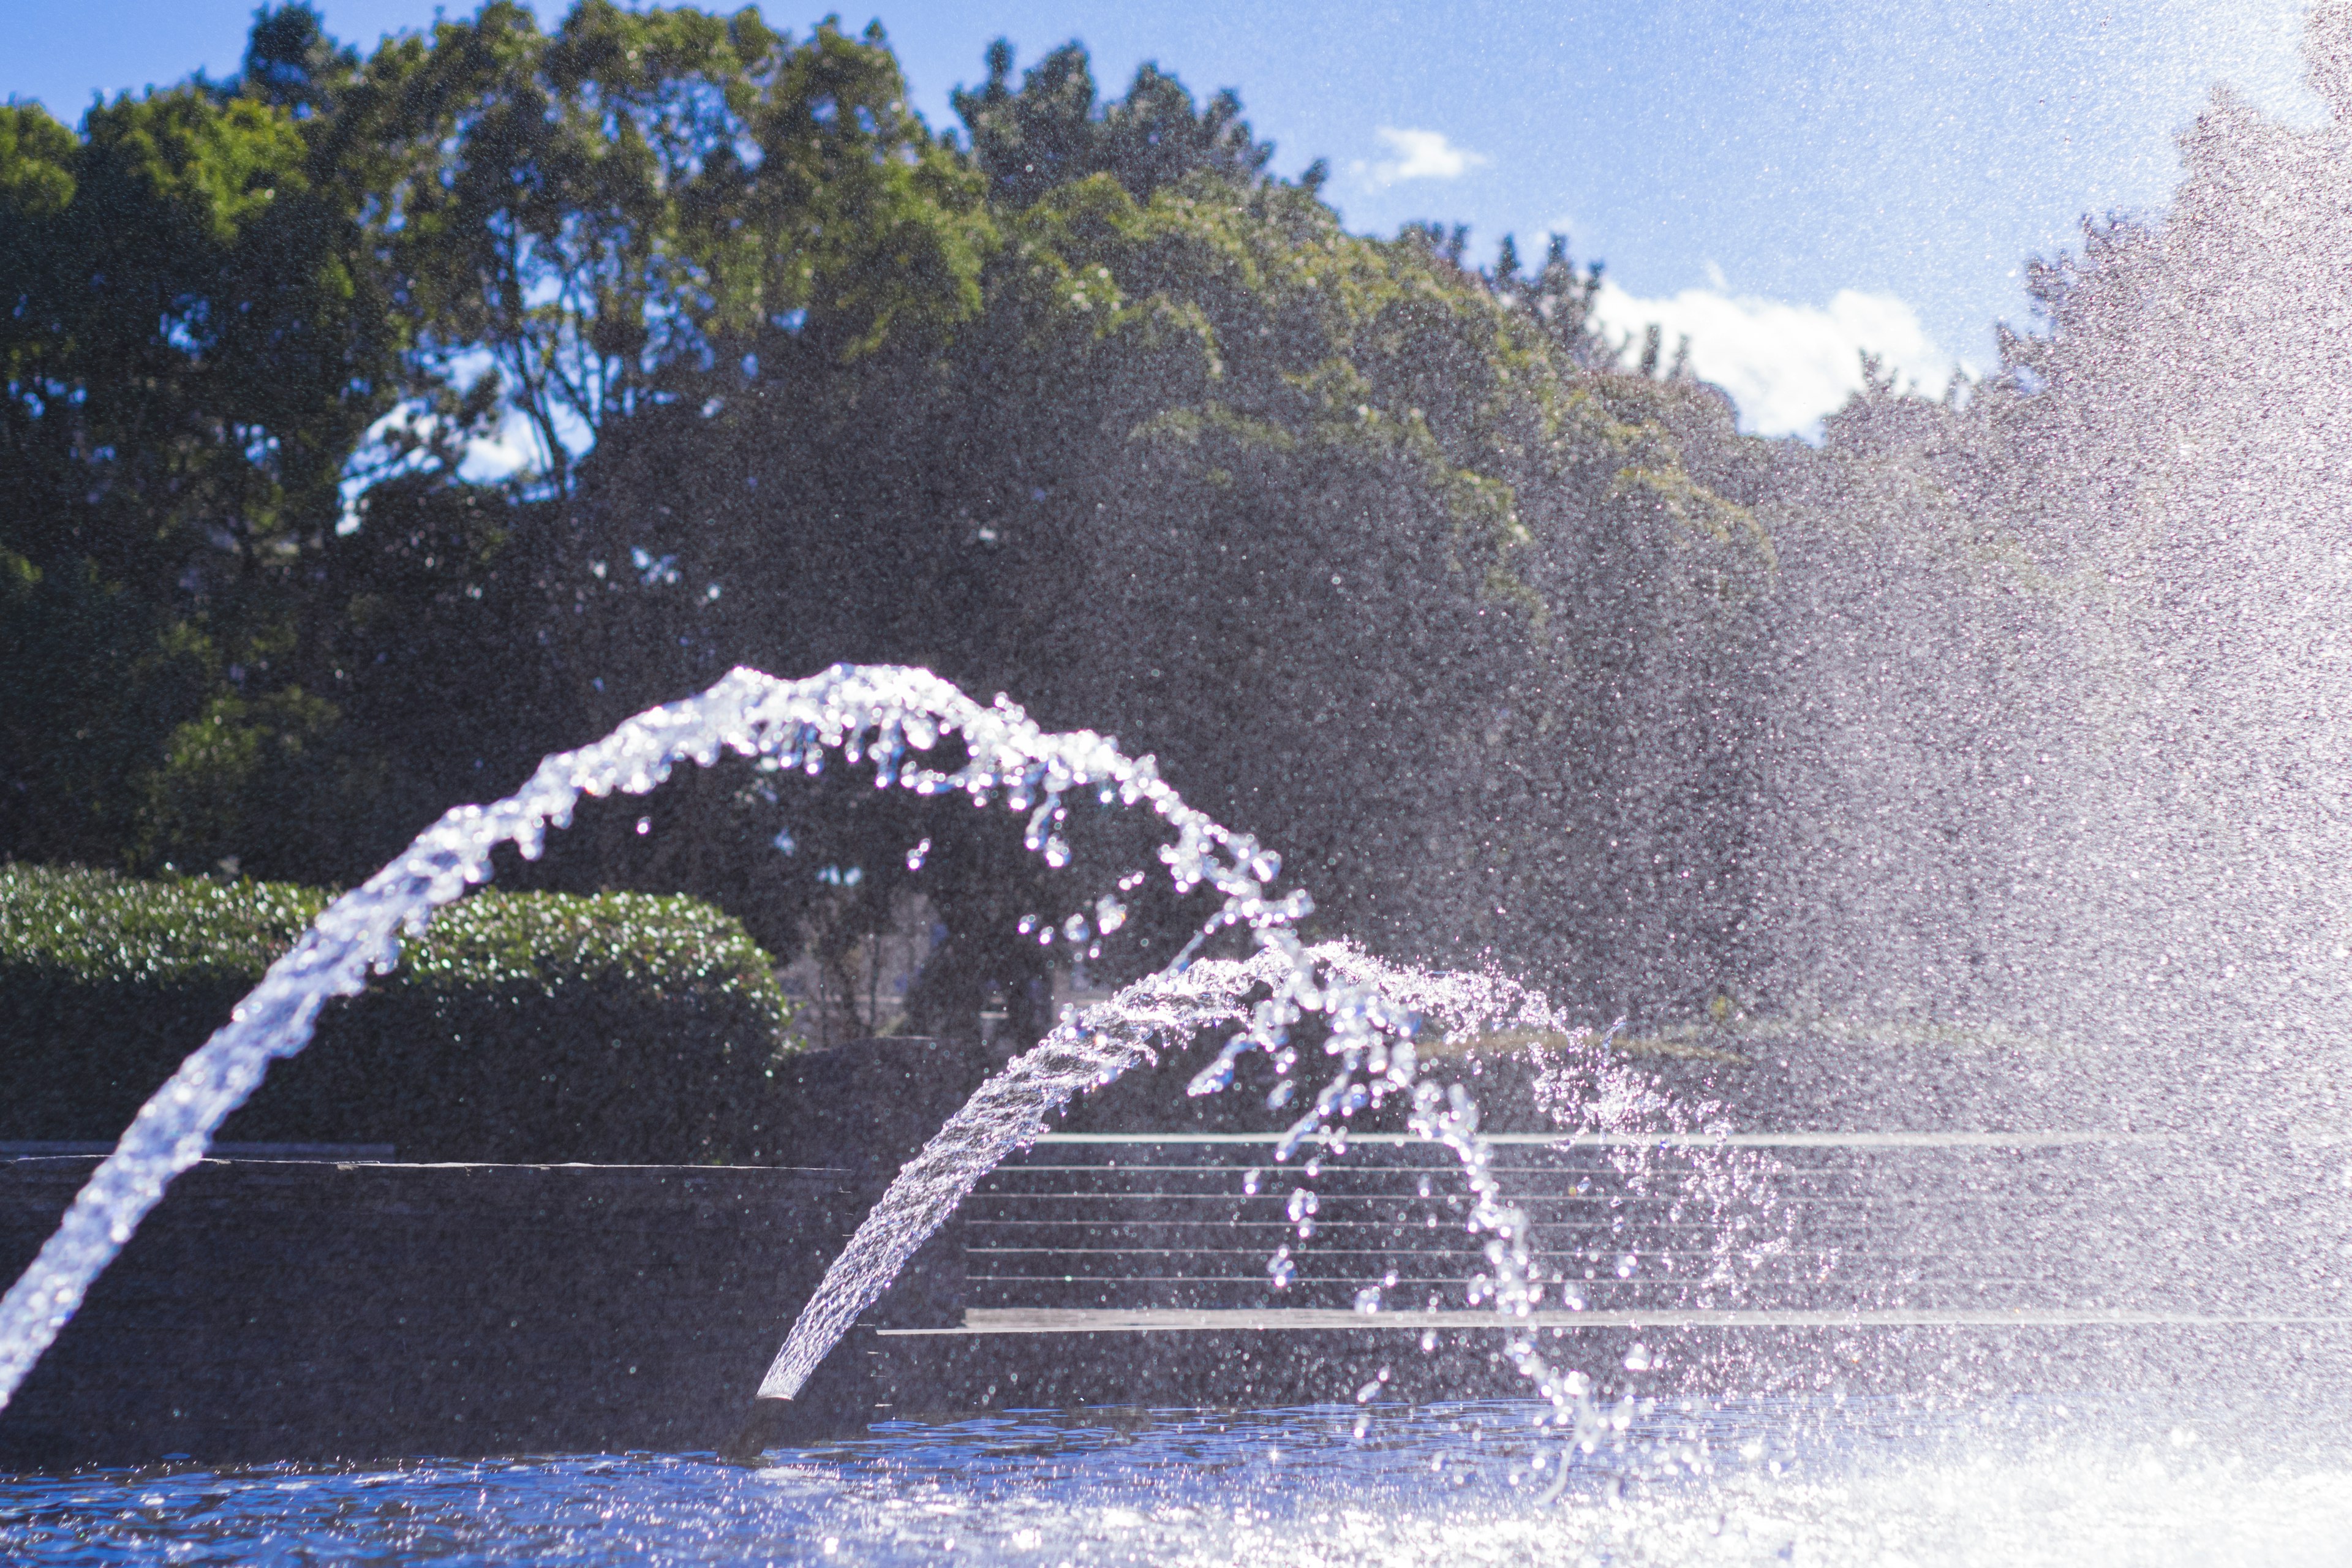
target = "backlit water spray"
x: 1373, y: 1012
x: 889, y: 716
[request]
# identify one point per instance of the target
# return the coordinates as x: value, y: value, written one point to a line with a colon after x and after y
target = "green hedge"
x: 521, y: 1027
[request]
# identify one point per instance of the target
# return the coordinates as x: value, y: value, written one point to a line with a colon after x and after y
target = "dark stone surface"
x: 869, y: 1106
x: 325, y: 1310
x: 271, y: 1310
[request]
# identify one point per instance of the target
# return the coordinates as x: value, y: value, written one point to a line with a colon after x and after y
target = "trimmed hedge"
x: 521, y: 1027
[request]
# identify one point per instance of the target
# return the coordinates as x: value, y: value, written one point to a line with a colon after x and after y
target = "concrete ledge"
x: 1309, y: 1319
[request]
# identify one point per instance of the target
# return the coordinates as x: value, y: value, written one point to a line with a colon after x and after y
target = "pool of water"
x: 1857, y: 1482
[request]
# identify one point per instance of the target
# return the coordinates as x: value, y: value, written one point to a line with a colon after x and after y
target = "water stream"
x: 890, y: 717
x: 2037, y: 727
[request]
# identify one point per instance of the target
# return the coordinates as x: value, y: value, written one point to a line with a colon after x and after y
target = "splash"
x: 881, y: 713
x: 1372, y: 1012
x: 887, y: 715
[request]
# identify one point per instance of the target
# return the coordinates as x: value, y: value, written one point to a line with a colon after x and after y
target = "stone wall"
x: 275, y: 1310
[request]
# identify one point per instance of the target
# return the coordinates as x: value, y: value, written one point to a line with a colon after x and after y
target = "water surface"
x: 1858, y: 1481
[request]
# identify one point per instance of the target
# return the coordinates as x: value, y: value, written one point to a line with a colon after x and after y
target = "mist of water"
x: 883, y: 713
x: 888, y: 716
x: 1374, y: 1012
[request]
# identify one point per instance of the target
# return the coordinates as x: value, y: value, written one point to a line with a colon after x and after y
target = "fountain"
x: 892, y: 716
x: 1746, y: 1194
x: 2039, y: 731
x: 1754, y: 1203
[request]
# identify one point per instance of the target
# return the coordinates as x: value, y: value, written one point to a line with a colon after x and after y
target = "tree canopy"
x: 1383, y: 555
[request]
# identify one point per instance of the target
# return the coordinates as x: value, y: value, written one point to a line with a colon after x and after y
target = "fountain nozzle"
x: 762, y: 1429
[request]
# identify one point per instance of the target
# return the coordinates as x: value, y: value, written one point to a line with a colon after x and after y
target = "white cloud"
x: 1784, y: 365
x: 511, y: 449
x: 1416, y: 155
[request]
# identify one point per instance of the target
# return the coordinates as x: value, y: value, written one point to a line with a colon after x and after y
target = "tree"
x: 290, y: 62
x: 192, y: 354
x: 1378, y: 553
x: 1053, y: 133
x: 640, y: 189
x: 1336, y: 531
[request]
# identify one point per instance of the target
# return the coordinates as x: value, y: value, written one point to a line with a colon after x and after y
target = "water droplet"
x: 644, y: 826
x: 849, y: 709
x: 1212, y: 1079
x: 915, y: 856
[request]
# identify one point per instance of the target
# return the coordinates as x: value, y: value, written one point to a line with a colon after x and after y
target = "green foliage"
x: 290, y: 63
x: 191, y: 357
x: 1095, y: 411
x: 192, y: 350
x: 596, y: 205
x: 1205, y: 470
x: 34, y: 178
x: 547, y: 942
x: 95, y: 928
x: 520, y: 1027
x: 230, y: 776
x: 1053, y: 133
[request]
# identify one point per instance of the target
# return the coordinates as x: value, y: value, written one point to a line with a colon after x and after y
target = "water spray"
x: 891, y: 716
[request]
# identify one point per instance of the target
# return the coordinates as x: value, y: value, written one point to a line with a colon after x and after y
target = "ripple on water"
x: 1726, y: 1482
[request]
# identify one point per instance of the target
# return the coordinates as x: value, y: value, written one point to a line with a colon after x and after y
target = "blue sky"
x: 1785, y: 181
